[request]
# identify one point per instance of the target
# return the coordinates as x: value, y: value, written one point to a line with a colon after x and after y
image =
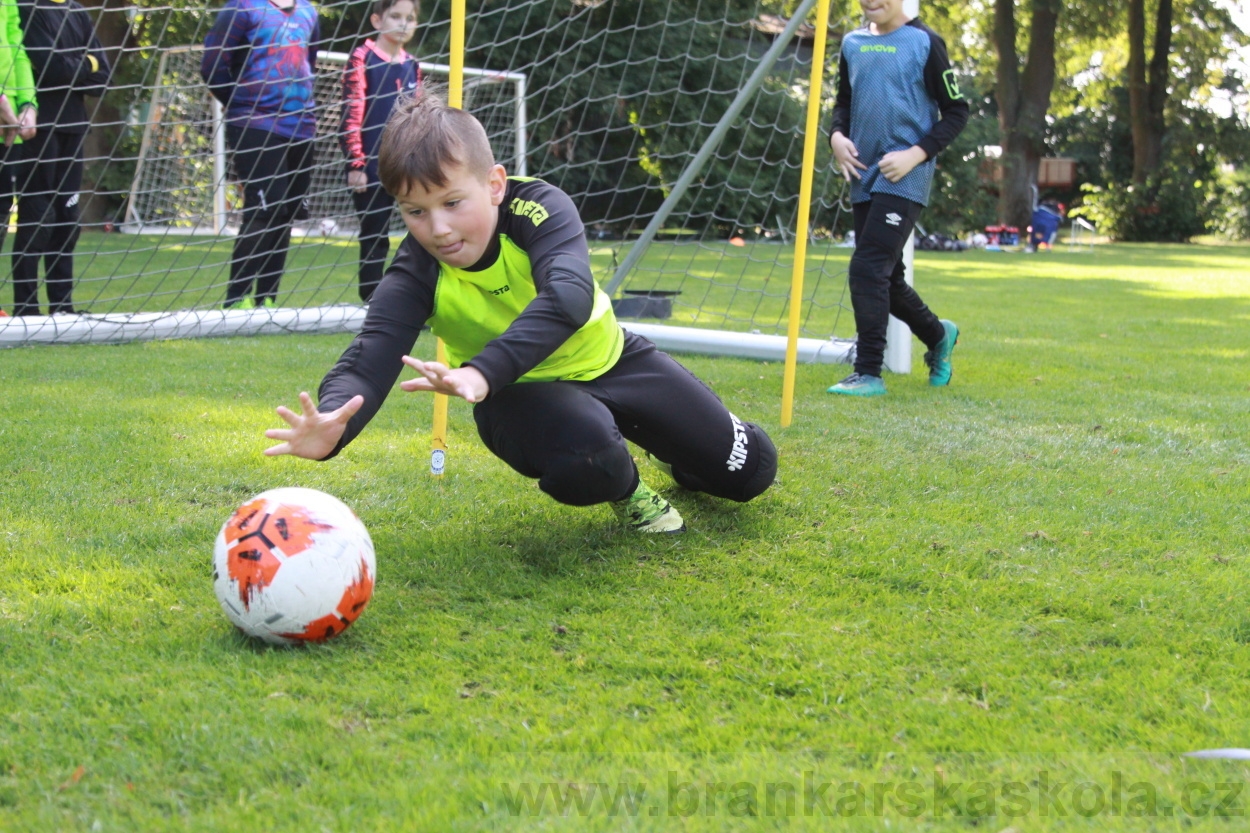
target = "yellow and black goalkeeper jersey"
x: 529, y: 310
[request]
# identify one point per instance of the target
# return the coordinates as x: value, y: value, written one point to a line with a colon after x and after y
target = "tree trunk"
x: 1023, y: 100
x: 1147, y: 95
x: 112, y: 27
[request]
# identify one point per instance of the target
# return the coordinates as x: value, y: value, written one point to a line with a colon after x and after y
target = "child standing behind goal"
x: 258, y: 62
x: 377, y: 74
x: 500, y: 269
x: 68, y: 63
x: 897, y: 107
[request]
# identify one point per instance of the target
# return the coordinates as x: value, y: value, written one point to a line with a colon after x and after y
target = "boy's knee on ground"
x: 584, y: 479
x: 738, y: 484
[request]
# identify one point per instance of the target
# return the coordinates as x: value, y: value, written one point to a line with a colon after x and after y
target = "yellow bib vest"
x: 473, y: 308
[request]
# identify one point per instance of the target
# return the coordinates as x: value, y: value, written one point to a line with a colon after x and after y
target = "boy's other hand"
x: 8, y: 121
x: 312, y: 434
x: 466, y: 382
x: 358, y: 181
x: 847, y: 157
x: 27, y: 122
x: 899, y: 163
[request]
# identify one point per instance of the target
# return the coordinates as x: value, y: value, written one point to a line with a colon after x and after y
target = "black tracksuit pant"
x: 374, y: 207
x: 276, y: 172
x: 570, y: 436
x: 48, y: 180
x: 876, y: 278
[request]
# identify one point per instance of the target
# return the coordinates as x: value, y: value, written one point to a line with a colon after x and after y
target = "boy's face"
x: 884, y: 15
x: 398, y: 23
x: 455, y: 222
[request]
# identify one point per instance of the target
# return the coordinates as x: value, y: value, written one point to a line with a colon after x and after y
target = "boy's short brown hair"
x: 381, y: 7
x: 423, y: 138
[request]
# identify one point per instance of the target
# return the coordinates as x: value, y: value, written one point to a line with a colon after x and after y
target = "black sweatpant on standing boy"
x: 876, y: 276
x: 276, y: 172
x: 48, y: 179
x: 374, y: 208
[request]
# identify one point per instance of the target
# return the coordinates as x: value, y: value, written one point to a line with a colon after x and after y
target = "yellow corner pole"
x: 455, y: 83
x: 808, y: 174
x: 455, y: 96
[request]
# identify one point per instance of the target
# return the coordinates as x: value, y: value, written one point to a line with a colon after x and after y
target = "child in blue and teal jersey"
x: 897, y: 107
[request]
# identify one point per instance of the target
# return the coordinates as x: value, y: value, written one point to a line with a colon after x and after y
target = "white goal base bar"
x: 152, y: 326
x: 742, y: 345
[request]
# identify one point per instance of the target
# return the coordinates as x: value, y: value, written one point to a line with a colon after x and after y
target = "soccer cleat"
x: 3, y: 314
x: 269, y: 303
x: 938, y: 359
x: 645, y: 511
x: 859, y: 384
x: 667, y: 468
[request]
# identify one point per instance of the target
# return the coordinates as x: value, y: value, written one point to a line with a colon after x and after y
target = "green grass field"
x: 1012, y: 604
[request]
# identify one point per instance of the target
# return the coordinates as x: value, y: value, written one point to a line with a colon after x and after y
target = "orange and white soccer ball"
x: 293, y: 565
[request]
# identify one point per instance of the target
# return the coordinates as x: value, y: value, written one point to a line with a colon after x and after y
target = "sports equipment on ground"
x: 938, y: 360
x: 293, y: 565
x: 859, y: 384
x: 646, y: 511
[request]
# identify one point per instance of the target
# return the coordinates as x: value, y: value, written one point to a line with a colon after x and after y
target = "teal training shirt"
x: 895, y: 91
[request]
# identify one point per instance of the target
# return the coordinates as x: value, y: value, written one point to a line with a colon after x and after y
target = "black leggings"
x: 570, y: 436
x: 275, y: 172
x: 374, y: 208
x: 49, y: 179
x: 878, y: 286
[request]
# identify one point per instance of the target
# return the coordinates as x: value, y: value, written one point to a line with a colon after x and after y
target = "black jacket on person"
x: 67, y: 60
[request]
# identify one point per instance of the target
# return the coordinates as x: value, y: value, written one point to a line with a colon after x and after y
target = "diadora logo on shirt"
x: 528, y: 208
x: 738, y: 454
x: 893, y: 219
x: 878, y: 47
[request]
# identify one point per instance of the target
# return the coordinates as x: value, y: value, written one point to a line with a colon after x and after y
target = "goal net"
x: 183, y: 183
x: 691, y: 110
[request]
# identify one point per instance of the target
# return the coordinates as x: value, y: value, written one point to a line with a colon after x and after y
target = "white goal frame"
x: 329, y: 64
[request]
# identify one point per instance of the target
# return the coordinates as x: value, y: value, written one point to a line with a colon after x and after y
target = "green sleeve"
x: 19, y: 85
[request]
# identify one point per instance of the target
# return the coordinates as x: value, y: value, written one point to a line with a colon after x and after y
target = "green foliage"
x: 1232, y: 215
x: 625, y: 105
x: 962, y: 199
x: 1167, y: 208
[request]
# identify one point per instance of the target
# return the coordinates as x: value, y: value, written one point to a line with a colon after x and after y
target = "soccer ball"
x: 329, y: 227
x: 293, y: 565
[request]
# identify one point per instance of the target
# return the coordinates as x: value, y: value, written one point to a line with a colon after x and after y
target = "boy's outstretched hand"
x: 465, y: 382
x: 312, y: 434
